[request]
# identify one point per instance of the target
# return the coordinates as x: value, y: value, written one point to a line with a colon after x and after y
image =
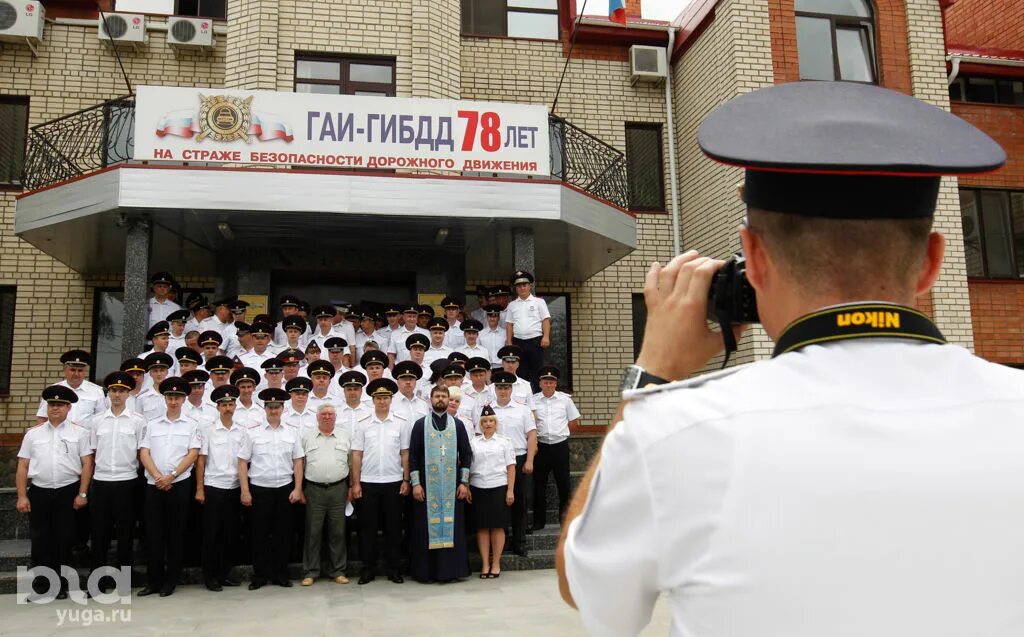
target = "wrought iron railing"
x: 80, y: 142
x: 579, y: 158
x: 103, y: 135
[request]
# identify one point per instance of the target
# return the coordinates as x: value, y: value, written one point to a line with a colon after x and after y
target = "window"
x: 344, y: 76
x: 511, y: 18
x: 987, y: 90
x: 203, y: 8
x: 643, y: 167
x: 13, y: 133
x: 835, y: 40
x: 993, y: 227
x: 107, y: 331
x: 7, y: 298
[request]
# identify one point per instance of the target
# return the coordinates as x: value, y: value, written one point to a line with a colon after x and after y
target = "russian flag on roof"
x: 617, y: 11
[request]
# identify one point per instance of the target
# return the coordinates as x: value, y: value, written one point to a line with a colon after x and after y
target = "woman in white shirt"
x: 492, y: 477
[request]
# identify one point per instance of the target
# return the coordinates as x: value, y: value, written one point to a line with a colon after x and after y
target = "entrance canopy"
x: 198, y: 212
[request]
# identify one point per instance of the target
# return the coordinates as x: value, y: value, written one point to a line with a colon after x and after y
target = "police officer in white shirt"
x: 493, y: 335
x: 176, y: 320
x: 353, y: 407
x: 471, y: 345
x: 477, y: 393
x: 160, y: 307
x: 261, y: 351
x: 222, y: 321
x: 150, y: 402
x: 528, y: 325
x: 196, y: 406
x: 211, y: 342
x: 516, y: 422
x: 297, y: 412
x: 510, y: 356
x: 453, y: 338
x: 483, y: 293
x: 198, y: 308
x: 248, y: 411
x: 857, y: 482
x: 90, y: 395
x: 159, y: 338
x: 270, y: 473
x: 556, y: 413
x: 55, y: 466
x: 321, y: 372
x: 405, y: 402
x: 136, y: 368
x: 240, y: 343
x: 218, y: 490
x: 289, y: 305
x: 219, y: 368
x: 368, y: 332
x: 114, y: 436
x: 398, y: 349
x: 168, y: 450
x: 380, y: 477
x: 437, y: 327
x: 393, y: 316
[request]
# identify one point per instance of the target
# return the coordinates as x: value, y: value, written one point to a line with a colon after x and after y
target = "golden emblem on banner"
x: 223, y: 118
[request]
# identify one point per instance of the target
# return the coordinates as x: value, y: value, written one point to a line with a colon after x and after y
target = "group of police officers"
x: 249, y: 422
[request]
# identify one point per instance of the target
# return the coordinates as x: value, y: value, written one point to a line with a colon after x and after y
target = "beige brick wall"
x: 597, y: 97
x: 733, y: 56
x: 54, y: 304
x: 951, y: 304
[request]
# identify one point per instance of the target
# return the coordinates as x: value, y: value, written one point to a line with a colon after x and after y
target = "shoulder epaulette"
x: 688, y: 383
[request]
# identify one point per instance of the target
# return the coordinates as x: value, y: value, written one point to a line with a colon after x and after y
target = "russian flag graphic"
x: 178, y: 123
x: 617, y: 11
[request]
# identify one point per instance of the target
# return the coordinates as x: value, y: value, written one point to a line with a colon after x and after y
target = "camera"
x: 731, y: 299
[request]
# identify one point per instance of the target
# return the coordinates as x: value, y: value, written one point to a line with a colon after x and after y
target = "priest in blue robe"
x: 439, y: 461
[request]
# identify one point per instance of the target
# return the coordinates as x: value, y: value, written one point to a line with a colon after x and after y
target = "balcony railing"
x: 103, y: 135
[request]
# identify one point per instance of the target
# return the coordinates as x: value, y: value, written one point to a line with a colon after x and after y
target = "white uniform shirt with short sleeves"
x: 527, y: 316
x: 271, y: 452
x: 553, y: 416
x: 55, y: 454
x: 115, y: 440
x: 220, y: 446
x: 160, y: 311
x: 348, y: 417
x: 380, y: 442
x: 397, y: 346
x: 856, y: 488
x: 515, y: 421
x: 305, y: 419
x: 249, y: 416
x: 91, y: 401
x: 491, y: 459
x: 493, y: 340
x: 169, y: 441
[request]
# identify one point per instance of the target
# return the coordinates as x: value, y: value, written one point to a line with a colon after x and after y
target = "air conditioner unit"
x: 190, y: 33
x: 122, y: 28
x: 21, y: 21
x: 647, y: 64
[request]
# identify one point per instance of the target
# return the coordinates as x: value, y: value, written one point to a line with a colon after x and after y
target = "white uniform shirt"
x: 168, y: 442
x: 280, y: 338
x: 522, y: 392
x: 345, y: 330
x: 380, y: 441
x: 232, y: 348
x: 454, y: 338
x: 301, y: 420
x: 857, y: 488
x: 249, y: 416
x: 175, y: 342
x: 412, y: 409
x: 435, y: 353
x: 527, y: 316
x: 220, y: 446
x: 514, y: 421
x: 477, y: 350
x: 348, y: 417
x: 362, y: 337
x: 254, y: 359
x: 191, y: 325
x: 151, y: 404
x: 397, y: 346
x: 55, y: 454
x: 553, y: 416
x: 160, y: 311
x: 491, y: 459
x: 91, y: 401
x: 173, y: 370
x: 387, y: 333
x: 204, y: 413
x: 212, y: 323
x: 315, y: 401
x: 115, y: 440
x: 326, y: 456
x: 492, y: 340
x: 271, y: 452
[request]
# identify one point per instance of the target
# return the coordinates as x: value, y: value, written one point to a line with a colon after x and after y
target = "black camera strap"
x: 858, y: 320
x: 728, y: 337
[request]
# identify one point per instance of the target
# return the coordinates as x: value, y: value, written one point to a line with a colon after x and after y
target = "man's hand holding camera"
x: 677, y: 340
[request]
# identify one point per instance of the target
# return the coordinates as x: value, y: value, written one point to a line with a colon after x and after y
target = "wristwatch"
x: 84, y: 496
x: 174, y: 473
x: 636, y: 377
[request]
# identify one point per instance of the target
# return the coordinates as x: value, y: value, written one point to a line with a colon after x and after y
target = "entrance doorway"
x: 363, y: 289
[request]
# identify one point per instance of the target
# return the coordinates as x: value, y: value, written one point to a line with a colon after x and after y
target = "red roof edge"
x: 692, y: 22
x: 986, y: 52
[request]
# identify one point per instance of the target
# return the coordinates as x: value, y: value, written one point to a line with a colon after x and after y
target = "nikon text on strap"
x: 859, y: 320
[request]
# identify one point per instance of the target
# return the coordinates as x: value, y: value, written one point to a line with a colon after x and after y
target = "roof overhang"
x: 81, y: 222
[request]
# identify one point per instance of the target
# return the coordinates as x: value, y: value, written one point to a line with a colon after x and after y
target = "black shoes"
x: 167, y: 592
x: 257, y: 584
x: 213, y: 585
x: 396, y: 578
x: 284, y: 583
x: 147, y: 591
x: 366, y: 578
x: 230, y: 581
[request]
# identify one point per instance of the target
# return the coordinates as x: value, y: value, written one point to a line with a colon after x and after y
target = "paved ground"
x: 523, y: 603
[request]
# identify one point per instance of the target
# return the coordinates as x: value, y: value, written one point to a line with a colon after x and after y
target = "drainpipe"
x: 670, y: 120
x: 954, y: 71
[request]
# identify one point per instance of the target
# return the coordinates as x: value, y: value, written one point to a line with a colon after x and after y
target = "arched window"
x: 836, y: 40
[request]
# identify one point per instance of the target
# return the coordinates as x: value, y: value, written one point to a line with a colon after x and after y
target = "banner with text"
x: 339, y: 131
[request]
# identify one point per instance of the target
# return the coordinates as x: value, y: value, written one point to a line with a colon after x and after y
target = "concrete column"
x: 253, y: 273
x: 136, y: 287
x: 523, y: 250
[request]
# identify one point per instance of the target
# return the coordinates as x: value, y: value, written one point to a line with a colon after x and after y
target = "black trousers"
x: 221, y: 515
x: 271, y: 532
x: 380, y: 499
x: 550, y: 458
x: 519, y: 490
x: 532, y: 360
x: 112, y: 515
x: 51, y: 525
x: 166, y: 515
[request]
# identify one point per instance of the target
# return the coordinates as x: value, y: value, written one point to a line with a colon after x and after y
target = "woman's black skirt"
x: 489, y: 507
